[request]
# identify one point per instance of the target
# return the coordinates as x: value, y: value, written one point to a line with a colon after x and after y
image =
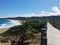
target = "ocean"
x: 6, y: 23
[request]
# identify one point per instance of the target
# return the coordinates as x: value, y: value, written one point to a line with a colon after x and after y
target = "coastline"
x: 5, y: 29
x: 17, y: 22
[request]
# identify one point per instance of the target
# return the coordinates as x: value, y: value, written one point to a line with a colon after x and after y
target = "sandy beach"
x: 3, y: 30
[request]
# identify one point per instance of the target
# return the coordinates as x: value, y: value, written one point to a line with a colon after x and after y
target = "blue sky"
x: 15, y: 8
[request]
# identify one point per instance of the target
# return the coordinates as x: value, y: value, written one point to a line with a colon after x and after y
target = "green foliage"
x: 57, y: 22
x: 30, y: 27
x: 13, y: 31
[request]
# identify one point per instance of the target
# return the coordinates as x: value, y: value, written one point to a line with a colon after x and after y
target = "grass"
x: 31, y: 29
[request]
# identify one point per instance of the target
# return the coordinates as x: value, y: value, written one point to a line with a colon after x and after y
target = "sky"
x: 29, y: 8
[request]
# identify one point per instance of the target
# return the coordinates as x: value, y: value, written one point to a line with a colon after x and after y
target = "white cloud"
x: 54, y: 12
x: 55, y: 9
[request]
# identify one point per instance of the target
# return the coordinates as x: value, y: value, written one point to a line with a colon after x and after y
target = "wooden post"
x: 43, y: 36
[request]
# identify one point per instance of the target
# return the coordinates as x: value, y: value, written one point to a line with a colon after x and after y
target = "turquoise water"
x: 5, y: 23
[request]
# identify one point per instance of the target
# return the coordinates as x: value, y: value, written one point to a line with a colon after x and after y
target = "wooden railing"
x: 55, y: 25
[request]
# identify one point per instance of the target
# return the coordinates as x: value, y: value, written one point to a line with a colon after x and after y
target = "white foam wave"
x: 3, y: 26
x: 12, y: 23
x: 15, y: 22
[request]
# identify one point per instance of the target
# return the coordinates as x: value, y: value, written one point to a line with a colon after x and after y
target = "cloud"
x: 55, y: 11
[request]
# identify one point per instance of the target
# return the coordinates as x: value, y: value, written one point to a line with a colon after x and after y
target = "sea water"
x: 6, y: 23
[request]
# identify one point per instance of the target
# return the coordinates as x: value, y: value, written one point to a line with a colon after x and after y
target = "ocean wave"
x: 15, y: 22
x: 11, y: 23
x: 4, y: 26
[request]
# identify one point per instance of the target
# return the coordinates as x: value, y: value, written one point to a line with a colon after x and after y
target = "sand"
x: 3, y: 30
x: 5, y: 43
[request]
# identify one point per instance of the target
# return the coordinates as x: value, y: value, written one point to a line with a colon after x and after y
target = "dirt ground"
x: 36, y: 40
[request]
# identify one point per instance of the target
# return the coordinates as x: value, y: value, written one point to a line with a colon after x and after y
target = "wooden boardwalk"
x: 53, y: 35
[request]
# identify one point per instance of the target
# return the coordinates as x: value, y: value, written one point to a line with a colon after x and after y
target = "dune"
x: 3, y: 30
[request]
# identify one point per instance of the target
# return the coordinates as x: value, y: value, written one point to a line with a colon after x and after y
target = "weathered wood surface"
x: 53, y: 35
